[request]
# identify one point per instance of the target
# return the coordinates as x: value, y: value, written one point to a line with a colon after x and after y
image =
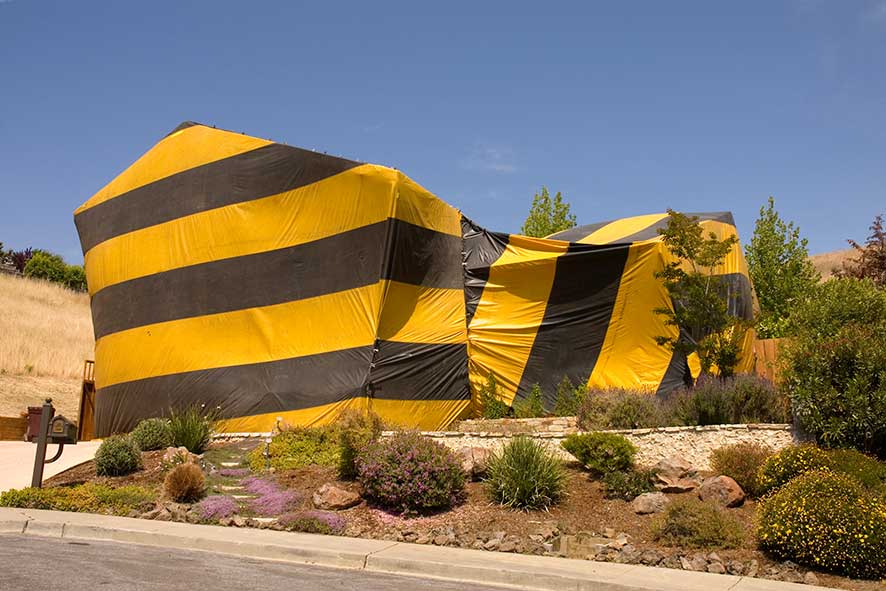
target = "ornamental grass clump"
x: 152, y: 434
x: 828, y: 521
x: 525, y: 475
x: 185, y: 483
x: 217, y: 507
x: 192, y: 428
x: 314, y: 522
x: 601, y: 453
x: 741, y: 462
x: 782, y: 467
x: 690, y: 523
x: 410, y: 473
x: 118, y: 455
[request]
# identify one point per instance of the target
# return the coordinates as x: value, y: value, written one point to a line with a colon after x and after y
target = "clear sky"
x: 625, y: 107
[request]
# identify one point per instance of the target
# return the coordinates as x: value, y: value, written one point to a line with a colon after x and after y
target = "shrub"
x: 45, y: 265
x: 532, y: 406
x: 185, y: 483
x: 356, y: 431
x: 192, y: 428
x: 788, y: 463
x: 741, y: 462
x: 408, y: 472
x: 569, y: 398
x: 863, y: 468
x: 833, y: 365
x: 619, y: 409
x: 688, y: 522
x: 314, y: 522
x: 491, y: 403
x: 826, y: 521
x: 628, y: 485
x: 116, y: 456
x: 601, y: 453
x: 525, y: 475
x: 297, y: 447
x: 75, y: 278
x: 217, y: 507
x: 151, y: 434
x: 717, y: 401
x: 88, y: 497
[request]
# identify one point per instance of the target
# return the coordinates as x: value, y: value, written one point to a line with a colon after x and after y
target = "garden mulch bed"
x: 476, y: 521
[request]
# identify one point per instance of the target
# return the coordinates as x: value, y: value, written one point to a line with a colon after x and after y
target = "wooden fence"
x: 766, y: 358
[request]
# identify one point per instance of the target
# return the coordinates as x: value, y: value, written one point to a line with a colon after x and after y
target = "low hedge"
x: 601, y: 453
x: 84, y: 498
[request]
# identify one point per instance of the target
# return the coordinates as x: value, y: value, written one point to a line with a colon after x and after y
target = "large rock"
x: 675, y: 475
x: 474, y: 461
x: 651, y: 502
x: 723, y: 490
x: 333, y: 498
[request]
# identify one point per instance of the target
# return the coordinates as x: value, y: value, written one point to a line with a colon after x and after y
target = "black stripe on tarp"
x: 403, y: 371
x: 579, y: 232
x: 481, y: 250
x: 420, y: 371
x: 184, y: 125
x: 344, y: 261
x: 652, y: 231
x: 238, y: 391
x: 259, y: 173
x: 576, y: 318
x: 677, y: 375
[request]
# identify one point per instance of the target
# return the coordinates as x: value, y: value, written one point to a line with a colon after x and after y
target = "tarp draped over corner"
x: 270, y: 281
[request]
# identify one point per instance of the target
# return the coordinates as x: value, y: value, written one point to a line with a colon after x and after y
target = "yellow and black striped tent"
x: 271, y: 281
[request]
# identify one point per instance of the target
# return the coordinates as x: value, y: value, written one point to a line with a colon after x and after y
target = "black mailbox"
x: 61, y: 430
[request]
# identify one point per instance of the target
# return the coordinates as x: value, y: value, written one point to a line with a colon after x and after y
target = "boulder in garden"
x: 651, y: 502
x: 723, y: 490
x: 333, y: 498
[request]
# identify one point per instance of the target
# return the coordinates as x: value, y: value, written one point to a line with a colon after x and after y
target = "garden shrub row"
x: 86, y: 498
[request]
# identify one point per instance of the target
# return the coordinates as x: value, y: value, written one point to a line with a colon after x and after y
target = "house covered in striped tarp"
x: 271, y: 281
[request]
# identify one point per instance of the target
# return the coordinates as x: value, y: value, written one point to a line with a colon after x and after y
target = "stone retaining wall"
x: 692, y: 443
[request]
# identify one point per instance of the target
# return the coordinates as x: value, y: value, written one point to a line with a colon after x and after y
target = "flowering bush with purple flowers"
x: 259, y: 486
x: 410, y: 473
x: 314, y: 522
x: 217, y: 507
x: 271, y: 500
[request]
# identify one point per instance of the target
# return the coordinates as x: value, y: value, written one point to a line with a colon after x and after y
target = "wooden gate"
x: 766, y: 358
x: 86, y: 421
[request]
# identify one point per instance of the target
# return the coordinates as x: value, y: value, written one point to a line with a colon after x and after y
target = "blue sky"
x: 625, y: 107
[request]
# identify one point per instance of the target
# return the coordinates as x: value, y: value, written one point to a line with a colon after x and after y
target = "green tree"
x: 780, y: 269
x: 547, y: 216
x: 48, y: 266
x: 700, y: 310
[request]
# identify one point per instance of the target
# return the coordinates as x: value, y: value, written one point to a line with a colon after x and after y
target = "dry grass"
x: 826, y: 262
x: 46, y: 329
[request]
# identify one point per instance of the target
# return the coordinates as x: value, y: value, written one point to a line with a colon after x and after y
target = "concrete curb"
x: 455, y: 564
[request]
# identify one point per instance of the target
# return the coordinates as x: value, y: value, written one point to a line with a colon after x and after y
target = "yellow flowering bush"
x: 828, y: 521
x: 782, y: 467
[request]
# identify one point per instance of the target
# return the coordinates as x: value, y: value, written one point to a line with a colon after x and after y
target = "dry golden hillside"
x: 826, y: 262
x: 45, y: 334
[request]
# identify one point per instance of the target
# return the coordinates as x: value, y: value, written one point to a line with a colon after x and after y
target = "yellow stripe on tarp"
x: 358, y: 197
x: 427, y: 415
x: 510, y: 311
x: 321, y: 324
x: 417, y: 314
x: 177, y: 152
x: 619, y: 229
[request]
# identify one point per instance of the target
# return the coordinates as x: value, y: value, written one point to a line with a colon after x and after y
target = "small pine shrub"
x: 410, y: 473
x: 192, y: 428
x: 117, y: 455
x: 152, y: 434
x: 741, y: 462
x: 628, y: 485
x: 87, y: 498
x: 490, y: 401
x: 532, y: 406
x: 690, y: 523
x: 185, y: 483
x: 569, y: 398
x: 356, y: 431
x: 525, y: 475
x: 217, y: 507
x: 601, y: 453
x: 827, y: 521
x: 314, y: 522
x: 297, y: 447
x: 782, y: 467
x: 866, y: 469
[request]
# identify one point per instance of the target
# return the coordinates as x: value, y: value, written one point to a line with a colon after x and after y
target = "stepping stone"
x: 230, y: 464
x: 265, y: 519
x: 223, y: 487
x: 240, y: 497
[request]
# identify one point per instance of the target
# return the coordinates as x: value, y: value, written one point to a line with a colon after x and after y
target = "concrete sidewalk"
x: 454, y: 564
x: 17, y: 461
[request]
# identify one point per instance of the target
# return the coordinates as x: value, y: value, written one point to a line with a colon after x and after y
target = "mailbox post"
x: 57, y: 430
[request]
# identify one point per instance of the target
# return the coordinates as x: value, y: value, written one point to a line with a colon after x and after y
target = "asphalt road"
x: 37, y: 564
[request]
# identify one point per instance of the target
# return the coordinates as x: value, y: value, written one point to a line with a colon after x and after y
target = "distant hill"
x: 827, y: 261
x: 45, y: 335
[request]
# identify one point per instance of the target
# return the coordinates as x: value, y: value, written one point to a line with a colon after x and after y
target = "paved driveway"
x: 17, y: 461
